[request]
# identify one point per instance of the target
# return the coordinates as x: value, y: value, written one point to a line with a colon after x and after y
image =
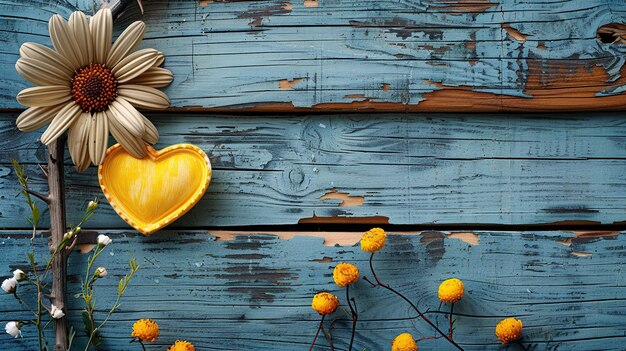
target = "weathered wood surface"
x: 438, y: 169
x: 429, y: 55
x: 253, y: 292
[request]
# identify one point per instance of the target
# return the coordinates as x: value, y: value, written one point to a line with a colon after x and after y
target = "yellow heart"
x: 152, y: 192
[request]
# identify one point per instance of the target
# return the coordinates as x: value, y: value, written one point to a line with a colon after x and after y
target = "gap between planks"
x: 335, y: 238
x: 340, y: 238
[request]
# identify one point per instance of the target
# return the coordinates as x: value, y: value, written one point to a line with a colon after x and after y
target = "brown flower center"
x: 94, y: 87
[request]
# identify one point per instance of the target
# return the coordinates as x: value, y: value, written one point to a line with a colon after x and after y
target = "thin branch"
x: 354, y: 316
x: 43, y: 170
x: 40, y: 196
x: 379, y: 283
x: 329, y: 337
x: 451, y: 321
x: 319, y: 327
x: 70, y: 247
x: 429, y: 338
x: 19, y: 299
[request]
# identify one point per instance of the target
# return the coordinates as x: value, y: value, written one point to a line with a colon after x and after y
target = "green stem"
x: 88, y: 291
x: 93, y: 332
x: 38, y: 283
x: 94, y: 329
x: 86, y: 216
x: 38, y: 324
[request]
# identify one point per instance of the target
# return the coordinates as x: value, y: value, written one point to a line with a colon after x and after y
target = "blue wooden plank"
x: 253, y: 292
x: 442, y: 169
x: 426, y: 56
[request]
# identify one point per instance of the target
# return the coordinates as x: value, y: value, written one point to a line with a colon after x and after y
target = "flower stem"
x: 412, y: 305
x: 522, y: 346
x: 450, y: 318
x: 329, y: 337
x: 19, y: 299
x: 142, y: 345
x: 319, y: 327
x: 354, y: 316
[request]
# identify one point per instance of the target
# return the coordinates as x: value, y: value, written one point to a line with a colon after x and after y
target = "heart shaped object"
x: 152, y: 192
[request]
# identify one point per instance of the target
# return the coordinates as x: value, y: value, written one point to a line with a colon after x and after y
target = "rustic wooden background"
x: 502, y: 180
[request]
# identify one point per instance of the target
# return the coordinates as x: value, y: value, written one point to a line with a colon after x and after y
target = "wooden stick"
x: 57, y: 229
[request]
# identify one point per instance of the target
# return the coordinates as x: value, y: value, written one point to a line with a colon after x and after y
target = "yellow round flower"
x: 509, y: 329
x: 404, y: 342
x: 451, y: 290
x: 182, y: 346
x: 324, y: 303
x: 345, y: 274
x: 373, y: 240
x: 145, y: 330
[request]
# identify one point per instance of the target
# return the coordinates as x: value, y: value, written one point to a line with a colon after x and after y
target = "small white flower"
x: 13, y: 329
x: 103, y: 240
x: 101, y: 272
x: 56, y: 312
x: 19, y: 275
x: 9, y: 285
x: 92, y: 206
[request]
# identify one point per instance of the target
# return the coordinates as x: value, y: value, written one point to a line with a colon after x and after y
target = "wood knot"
x: 296, y: 176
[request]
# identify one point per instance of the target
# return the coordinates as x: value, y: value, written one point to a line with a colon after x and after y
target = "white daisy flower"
x: 91, y: 87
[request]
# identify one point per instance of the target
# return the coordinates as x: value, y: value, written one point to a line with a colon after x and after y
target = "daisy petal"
x: 61, y: 122
x: 152, y: 134
x: 144, y: 97
x: 42, y: 73
x: 80, y: 26
x: 160, y: 60
x: 98, y: 137
x: 36, y: 117
x: 133, y: 145
x: 134, y: 64
x: 44, y: 96
x: 102, y: 34
x: 155, y: 77
x: 126, y: 43
x: 45, y: 54
x: 64, y: 41
x: 77, y: 139
x: 128, y: 117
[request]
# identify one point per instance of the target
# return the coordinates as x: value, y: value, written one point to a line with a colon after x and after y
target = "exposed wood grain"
x: 253, y: 293
x: 344, y: 199
x: 439, y: 169
x: 432, y: 55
